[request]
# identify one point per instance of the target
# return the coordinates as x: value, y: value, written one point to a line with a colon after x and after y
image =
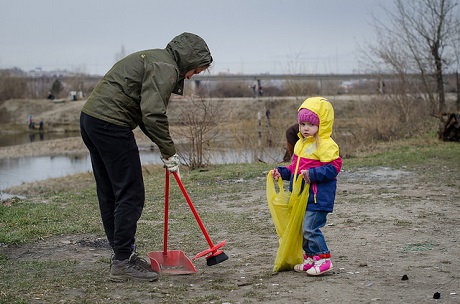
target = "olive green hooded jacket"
x: 136, y: 90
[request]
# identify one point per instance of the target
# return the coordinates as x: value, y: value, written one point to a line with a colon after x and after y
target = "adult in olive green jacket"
x: 134, y: 92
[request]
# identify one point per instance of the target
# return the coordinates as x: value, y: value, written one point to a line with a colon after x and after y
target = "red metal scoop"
x: 169, y: 261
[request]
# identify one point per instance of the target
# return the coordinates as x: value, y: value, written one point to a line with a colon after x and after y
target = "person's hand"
x: 172, y: 163
x: 276, y: 174
x: 305, y: 175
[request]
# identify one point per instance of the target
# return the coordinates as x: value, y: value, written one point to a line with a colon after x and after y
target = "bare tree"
x: 420, y: 40
x: 198, y: 119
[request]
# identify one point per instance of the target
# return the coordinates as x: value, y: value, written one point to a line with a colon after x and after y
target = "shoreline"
x: 63, y: 146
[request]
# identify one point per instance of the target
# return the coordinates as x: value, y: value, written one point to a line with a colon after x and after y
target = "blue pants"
x: 118, y: 174
x: 313, y: 239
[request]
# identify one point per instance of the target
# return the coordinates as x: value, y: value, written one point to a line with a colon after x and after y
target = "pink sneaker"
x: 321, y: 266
x: 307, y: 264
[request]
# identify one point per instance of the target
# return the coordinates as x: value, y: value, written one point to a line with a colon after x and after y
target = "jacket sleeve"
x: 284, y: 172
x: 326, y: 172
x: 157, y: 87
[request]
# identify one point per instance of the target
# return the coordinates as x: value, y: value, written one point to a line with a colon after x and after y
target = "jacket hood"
x: 190, y: 51
x: 325, y: 112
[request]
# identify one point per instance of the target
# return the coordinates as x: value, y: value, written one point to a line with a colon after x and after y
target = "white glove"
x: 172, y: 163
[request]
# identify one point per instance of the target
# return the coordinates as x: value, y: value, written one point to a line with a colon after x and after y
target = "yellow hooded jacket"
x: 320, y: 156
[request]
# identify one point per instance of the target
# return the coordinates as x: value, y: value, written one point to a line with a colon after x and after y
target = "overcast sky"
x: 244, y: 36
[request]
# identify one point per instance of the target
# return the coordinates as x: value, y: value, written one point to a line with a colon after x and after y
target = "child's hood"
x: 325, y: 112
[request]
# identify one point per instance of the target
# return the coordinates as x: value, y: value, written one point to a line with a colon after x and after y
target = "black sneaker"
x: 135, y: 259
x: 121, y: 271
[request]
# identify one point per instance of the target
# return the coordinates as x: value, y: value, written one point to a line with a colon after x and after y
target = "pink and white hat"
x: 305, y: 115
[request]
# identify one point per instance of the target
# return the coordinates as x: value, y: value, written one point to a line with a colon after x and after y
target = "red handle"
x: 189, y: 201
x: 165, y: 232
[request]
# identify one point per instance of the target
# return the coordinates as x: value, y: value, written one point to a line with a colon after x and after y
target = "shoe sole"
x: 121, y: 279
x: 321, y: 273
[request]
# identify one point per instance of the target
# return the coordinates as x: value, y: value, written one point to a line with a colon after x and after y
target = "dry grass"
x: 361, y: 121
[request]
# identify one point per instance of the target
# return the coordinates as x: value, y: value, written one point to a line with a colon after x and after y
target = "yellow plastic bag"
x: 287, y: 211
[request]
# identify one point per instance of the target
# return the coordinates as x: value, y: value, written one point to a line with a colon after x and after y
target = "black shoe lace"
x: 136, y: 267
x: 135, y: 259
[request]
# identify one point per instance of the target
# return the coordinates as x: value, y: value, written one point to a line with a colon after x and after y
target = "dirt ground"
x: 393, y: 238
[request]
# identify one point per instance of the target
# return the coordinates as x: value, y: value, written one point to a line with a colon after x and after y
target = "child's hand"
x: 276, y: 174
x: 305, y: 175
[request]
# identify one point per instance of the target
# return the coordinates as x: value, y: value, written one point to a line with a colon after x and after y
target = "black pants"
x: 118, y: 173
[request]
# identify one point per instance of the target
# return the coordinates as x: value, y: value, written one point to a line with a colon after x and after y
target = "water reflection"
x: 24, y: 138
x: 17, y: 171
x: 33, y: 135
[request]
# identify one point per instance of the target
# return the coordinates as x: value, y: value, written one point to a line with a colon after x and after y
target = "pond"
x: 16, y: 171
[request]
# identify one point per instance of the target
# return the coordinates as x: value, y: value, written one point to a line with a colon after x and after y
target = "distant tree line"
x: 13, y: 86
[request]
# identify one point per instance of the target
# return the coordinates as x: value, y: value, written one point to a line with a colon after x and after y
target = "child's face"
x: 308, y: 129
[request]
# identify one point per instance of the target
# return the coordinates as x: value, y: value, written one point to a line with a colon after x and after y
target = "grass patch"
x: 420, y: 247
x: 41, y: 217
x: 419, y: 154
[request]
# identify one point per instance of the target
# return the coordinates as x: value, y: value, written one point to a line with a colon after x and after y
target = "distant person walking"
x: 135, y: 92
x: 30, y: 121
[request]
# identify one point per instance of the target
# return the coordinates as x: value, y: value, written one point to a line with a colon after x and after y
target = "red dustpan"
x: 170, y: 261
